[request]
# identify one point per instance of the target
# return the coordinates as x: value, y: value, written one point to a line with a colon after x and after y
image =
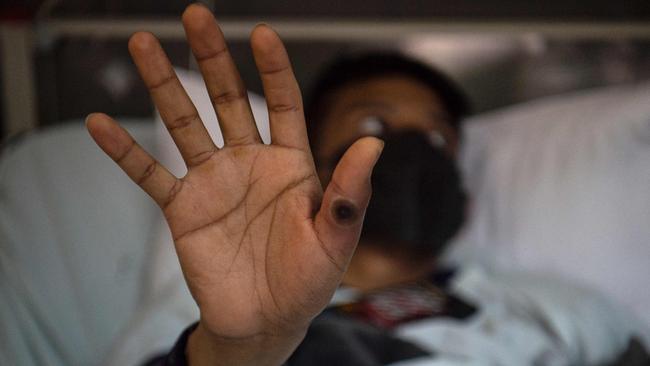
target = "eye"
x: 373, y: 126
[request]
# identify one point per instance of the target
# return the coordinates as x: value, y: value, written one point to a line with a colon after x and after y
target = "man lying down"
x: 272, y: 259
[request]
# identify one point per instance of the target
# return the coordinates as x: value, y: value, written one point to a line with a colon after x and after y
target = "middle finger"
x: 225, y: 87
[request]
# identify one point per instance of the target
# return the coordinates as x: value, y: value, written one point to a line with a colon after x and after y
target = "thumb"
x: 340, y: 218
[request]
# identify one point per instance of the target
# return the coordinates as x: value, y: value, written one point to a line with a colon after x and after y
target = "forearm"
x: 204, y: 348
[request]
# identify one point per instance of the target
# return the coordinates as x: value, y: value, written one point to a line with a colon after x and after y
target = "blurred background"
x: 62, y: 59
x: 559, y: 184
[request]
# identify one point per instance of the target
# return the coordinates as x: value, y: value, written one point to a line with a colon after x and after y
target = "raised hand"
x: 261, y: 247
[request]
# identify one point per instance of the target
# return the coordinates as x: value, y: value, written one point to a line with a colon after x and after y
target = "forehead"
x: 386, y: 90
x: 401, y: 102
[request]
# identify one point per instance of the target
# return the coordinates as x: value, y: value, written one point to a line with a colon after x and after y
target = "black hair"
x: 344, y: 71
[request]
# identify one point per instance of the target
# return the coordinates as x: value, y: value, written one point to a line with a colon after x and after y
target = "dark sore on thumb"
x: 344, y: 212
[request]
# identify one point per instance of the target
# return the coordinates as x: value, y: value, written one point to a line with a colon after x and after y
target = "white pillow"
x: 74, y: 237
x: 562, y: 185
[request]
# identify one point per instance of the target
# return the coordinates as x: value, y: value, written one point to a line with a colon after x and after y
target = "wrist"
x: 206, y: 348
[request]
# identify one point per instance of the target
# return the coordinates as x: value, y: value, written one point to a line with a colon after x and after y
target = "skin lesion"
x: 344, y: 212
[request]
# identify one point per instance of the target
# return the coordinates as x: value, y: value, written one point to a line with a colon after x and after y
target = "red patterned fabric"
x: 396, y: 305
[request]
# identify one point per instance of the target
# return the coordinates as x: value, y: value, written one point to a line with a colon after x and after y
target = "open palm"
x: 261, y: 246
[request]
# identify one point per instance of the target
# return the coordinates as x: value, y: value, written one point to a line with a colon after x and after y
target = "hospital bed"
x: 560, y: 186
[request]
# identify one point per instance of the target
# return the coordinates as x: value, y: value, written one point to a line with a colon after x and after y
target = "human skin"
x: 262, y: 247
x: 401, y: 103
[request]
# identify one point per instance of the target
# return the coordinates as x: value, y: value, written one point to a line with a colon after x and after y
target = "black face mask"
x: 418, y: 203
